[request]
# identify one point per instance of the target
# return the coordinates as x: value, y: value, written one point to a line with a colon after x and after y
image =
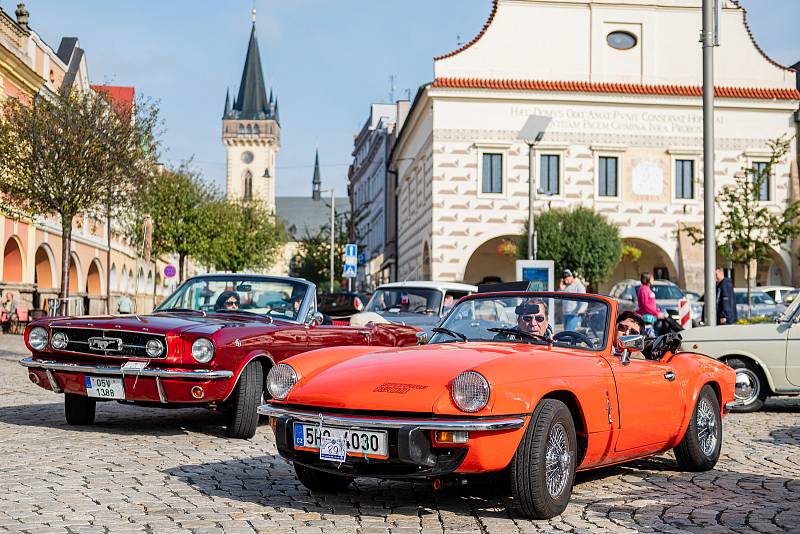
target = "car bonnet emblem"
x: 105, y: 343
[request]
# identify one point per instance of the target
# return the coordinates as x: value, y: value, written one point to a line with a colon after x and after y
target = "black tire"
x: 748, y: 372
x: 243, y: 414
x: 701, y: 445
x: 320, y: 480
x: 551, y: 420
x: 79, y: 409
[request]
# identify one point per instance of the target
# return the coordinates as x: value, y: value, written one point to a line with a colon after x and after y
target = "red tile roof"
x: 476, y: 38
x: 749, y: 93
x: 120, y: 97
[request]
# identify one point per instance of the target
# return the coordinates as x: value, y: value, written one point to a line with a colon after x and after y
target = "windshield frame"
x: 585, y: 297
x: 437, y: 311
x: 304, y: 315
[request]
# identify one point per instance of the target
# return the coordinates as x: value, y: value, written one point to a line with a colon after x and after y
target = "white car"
x: 776, y: 292
x: 766, y: 356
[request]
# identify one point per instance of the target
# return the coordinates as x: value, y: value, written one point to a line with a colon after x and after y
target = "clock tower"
x: 251, y: 132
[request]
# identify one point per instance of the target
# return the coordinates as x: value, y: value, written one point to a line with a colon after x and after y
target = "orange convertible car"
x: 501, y: 386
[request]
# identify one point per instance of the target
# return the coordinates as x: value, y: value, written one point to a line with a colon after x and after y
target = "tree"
x: 749, y: 227
x: 246, y: 236
x: 72, y: 153
x: 580, y: 240
x: 312, y: 260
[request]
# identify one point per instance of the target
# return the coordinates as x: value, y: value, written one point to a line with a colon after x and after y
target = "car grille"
x: 130, y: 344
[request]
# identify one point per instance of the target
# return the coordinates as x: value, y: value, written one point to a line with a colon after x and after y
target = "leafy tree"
x: 748, y: 227
x: 246, y: 236
x: 71, y: 153
x: 580, y: 240
x: 312, y: 260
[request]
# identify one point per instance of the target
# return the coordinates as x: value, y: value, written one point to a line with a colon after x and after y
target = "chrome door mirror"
x: 422, y: 338
x: 634, y: 343
x: 317, y: 319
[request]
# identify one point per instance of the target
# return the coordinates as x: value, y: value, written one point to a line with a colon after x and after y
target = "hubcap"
x: 707, y: 429
x: 748, y: 386
x: 558, y: 460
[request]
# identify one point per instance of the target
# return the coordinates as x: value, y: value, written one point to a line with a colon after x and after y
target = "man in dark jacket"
x: 726, y: 300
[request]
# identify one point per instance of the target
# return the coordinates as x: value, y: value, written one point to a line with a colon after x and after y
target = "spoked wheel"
x: 543, y: 468
x: 700, y: 447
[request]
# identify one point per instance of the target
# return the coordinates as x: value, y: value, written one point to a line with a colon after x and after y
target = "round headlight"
x: 203, y: 350
x: 280, y: 380
x: 154, y: 348
x: 37, y: 337
x: 59, y: 341
x: 470, y: 391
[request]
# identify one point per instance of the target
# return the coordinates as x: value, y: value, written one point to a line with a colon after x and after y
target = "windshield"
x: 406, y: 299
x: 567, y: 320
x: 756, y: 297
x: 667, y: 292
x: 275, y: 297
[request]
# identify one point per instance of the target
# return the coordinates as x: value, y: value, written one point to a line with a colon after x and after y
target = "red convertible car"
x: 502, y: 387
x: 211, y: 343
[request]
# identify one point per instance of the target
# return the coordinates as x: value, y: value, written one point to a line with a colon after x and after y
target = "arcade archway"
x: 493, y: 261
x: 13, y: 266
x: 44, y: 274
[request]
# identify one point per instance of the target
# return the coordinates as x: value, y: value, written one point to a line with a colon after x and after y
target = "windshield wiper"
x: 246, y: 312
x: 451, y: 333
x: 191, y: 310
x: 521, y: 333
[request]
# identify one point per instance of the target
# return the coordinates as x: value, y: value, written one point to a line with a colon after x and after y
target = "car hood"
x: 162, y: 323
x: 412, y: 379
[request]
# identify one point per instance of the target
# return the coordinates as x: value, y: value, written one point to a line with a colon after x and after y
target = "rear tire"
x: 701, y: 445
x: 543, y: 468
x: 79, y: 409
x: 243, y: 414
x: 751, y: 386
x: 320, y: 480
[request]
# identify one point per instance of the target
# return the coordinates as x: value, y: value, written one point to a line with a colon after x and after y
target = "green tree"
x: 749, y: 227
x: 246, y: 236
x: 312, y: 260
x: 72, y: 153
x: 580, y: 240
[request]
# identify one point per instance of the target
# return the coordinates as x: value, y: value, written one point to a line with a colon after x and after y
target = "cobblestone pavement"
x: 152, y: 470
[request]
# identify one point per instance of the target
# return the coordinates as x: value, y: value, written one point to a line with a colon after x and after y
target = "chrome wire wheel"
x: 707, y: 428
x: 748, y: 387
x: 557, y: 460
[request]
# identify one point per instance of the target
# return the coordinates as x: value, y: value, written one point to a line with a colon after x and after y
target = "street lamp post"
x: 317, y: 194
x: 709, y: 38
x: 532, y: 132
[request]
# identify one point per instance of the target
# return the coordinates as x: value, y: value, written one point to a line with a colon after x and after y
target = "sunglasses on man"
x: 530, y: 318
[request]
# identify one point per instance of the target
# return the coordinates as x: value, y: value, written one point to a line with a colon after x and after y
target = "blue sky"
x: 326, y: 59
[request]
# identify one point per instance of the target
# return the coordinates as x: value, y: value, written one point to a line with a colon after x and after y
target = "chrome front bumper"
x: 475, y: 424
x: 116, y: 370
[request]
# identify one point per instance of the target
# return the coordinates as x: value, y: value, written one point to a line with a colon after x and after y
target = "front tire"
x: 751, y: 387
x: 243, y: 413
x: 543, y: 468
x: 321, y: 481
x: 79, y: 409
x: 700, y: 447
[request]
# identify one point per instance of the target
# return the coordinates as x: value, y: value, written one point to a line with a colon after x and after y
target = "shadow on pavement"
x: 789, y: 435
x: 782, y: 405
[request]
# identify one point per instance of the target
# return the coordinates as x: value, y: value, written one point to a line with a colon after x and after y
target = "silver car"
x: 761, y: 304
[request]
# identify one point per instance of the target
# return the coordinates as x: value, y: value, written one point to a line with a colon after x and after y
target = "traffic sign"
x: 349, y: 270
x: 351, y: 254
x: 170, y: 271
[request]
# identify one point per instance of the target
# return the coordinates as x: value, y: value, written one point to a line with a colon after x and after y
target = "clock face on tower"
x: 247, y: 156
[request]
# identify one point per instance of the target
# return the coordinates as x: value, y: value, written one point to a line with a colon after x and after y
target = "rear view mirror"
x: 422, y: 338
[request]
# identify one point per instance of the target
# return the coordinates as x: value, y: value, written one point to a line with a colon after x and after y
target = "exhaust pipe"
x: 437, y: 484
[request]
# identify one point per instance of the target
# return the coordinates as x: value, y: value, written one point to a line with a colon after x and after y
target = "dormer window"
x: 621, y: 40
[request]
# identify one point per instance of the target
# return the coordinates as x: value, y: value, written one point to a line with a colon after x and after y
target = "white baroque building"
x: 622, y: 82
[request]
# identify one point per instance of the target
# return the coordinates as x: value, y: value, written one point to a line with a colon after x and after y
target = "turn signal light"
x: 448, y: 437
x: 197, y: 392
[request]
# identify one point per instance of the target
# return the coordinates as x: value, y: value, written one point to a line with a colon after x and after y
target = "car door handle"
x: 669, y: 375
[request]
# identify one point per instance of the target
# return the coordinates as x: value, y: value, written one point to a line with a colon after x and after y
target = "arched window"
x: 426, y: 262
x: 241, y: 128
x: 256, y: 130
x: 249, y: 130
x: 248, y: 185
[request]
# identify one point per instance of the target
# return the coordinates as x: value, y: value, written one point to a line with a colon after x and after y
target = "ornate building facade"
x: 622, y: 83
x: 251, y: 132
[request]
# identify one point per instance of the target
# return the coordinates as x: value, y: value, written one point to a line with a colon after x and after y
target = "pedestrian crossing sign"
x: 349, y: 270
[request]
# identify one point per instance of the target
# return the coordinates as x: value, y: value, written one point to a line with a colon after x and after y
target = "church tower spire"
x: 316, y: 181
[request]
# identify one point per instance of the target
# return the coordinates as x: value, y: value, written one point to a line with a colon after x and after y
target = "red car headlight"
x: 38, y: 337
x: 470, y: 391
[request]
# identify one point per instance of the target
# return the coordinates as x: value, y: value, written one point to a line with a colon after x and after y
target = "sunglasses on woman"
x: 628, y: 330
x: 231, y: 303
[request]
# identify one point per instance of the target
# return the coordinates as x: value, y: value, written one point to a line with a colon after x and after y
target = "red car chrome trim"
x: 47, y: 365
x: 475, y: 424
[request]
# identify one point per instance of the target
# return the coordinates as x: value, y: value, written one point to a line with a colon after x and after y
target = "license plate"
x: 105, y: 388
x: 329, y: 441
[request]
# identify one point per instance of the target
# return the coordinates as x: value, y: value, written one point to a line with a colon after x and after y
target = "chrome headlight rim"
x: 280, y: 380
x: 59, y: 340
x: 38, y: 338
x: 470, y: 392
x: 154, y: 344
x: 203, y: 350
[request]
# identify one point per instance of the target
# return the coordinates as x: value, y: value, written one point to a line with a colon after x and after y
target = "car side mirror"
x: 422, y: 338
x: 317, y: 319
x: 634, y: 343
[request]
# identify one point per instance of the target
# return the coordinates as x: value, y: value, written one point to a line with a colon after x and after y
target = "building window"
x: 608, y: 176
x: 761, y: 176
x: 621, y: 40
x: 492, y: 173
x: 548, y: 183
x: 684, y: 178
x: 248, y: 186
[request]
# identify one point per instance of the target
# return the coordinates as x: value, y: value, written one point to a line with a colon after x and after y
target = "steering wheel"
x: 573, y: 338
